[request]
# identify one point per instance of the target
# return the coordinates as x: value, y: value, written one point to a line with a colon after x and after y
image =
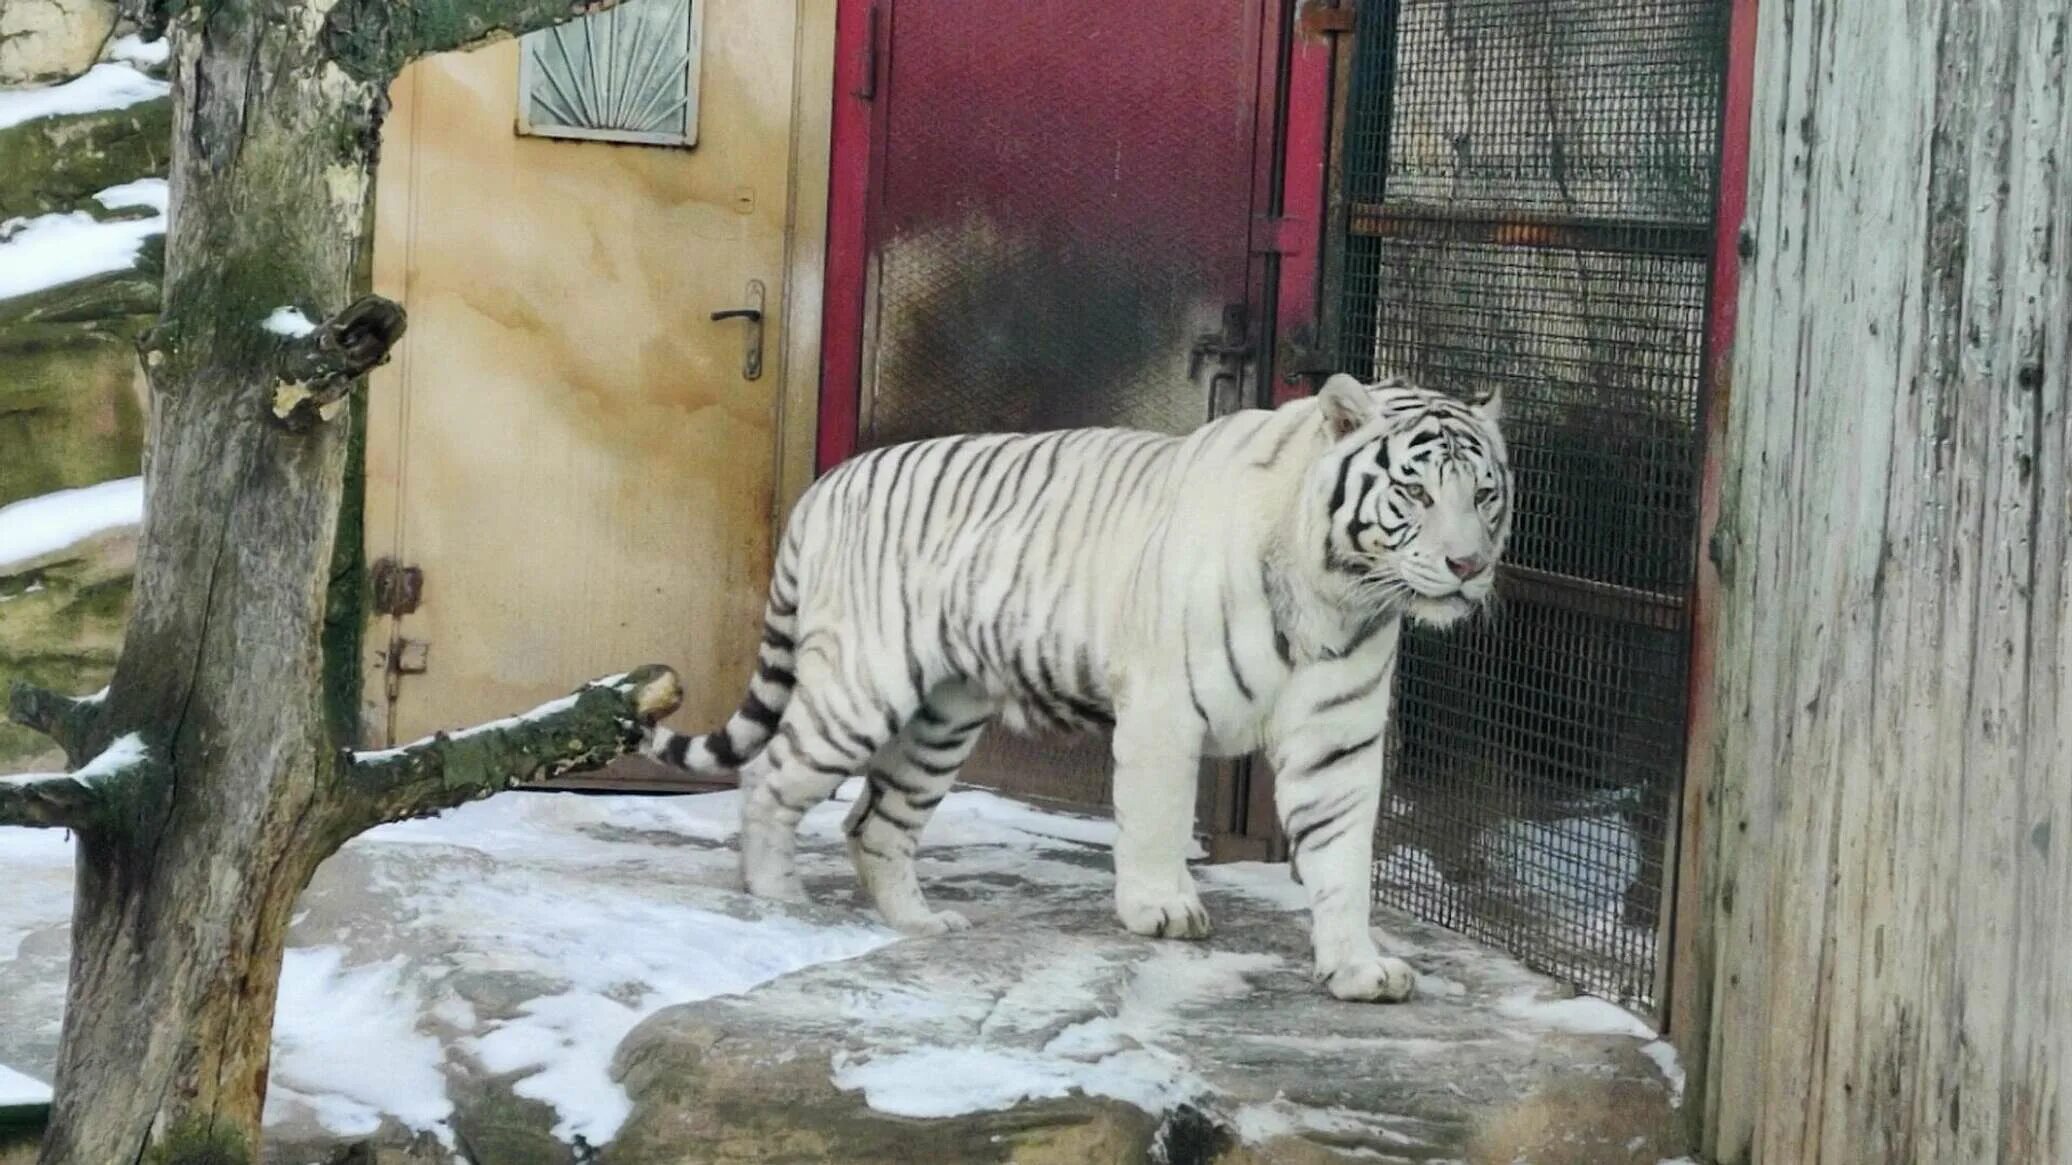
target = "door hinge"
x: 395, y: 589
x: 1329, y: 17
x: 1277, y: 235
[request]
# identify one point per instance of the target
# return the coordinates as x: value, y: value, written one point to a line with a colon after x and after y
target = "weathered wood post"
x: 1884, y: 905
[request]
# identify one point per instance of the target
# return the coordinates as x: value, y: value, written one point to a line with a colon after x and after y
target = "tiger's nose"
x: 1467, y: 568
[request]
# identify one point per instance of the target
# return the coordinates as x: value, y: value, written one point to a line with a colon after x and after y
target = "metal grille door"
x: 1528, y: 209
x: 1060, y: 237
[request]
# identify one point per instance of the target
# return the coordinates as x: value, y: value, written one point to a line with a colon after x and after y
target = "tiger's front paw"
x: 1373, y: 979
x: 1178, y: 915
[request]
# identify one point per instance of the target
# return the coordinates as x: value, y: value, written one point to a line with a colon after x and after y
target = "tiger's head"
x: 1419, y: 492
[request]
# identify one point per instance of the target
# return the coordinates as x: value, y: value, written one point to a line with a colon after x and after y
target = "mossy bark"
x: 59, y: 163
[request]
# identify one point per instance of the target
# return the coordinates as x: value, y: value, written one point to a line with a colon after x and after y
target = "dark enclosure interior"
x: 1527, y: 207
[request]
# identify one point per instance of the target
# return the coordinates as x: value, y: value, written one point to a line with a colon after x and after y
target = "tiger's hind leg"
x: 905, y: 784
x: 828, y: 735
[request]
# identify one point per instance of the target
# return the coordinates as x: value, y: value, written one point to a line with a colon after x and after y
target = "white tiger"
x: 1239, y: 587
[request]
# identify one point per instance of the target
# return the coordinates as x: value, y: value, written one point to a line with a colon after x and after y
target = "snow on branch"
x: 318, y: 364
x: 73, y: 800
x: 600, y: 721
x: 371, y: 40
x: 67, y: 721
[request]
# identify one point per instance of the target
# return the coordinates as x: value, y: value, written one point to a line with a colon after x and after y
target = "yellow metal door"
x: 567, y: 446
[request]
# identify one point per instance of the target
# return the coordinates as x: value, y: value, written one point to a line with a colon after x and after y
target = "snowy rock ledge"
x: 564, y: 980
x: 1047, y: 1035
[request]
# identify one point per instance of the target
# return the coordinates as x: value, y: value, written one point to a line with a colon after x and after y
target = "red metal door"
x: 1060, y: 206
x: 1057, y: 228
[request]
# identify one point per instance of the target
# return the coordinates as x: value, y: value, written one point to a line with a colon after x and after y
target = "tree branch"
x: 371, y: 40
x: 316, y: 369
x: 69, y: 722
x: 602, y: 720
x: 75, y: 800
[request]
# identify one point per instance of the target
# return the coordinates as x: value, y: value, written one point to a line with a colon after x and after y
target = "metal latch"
x: 1227, y: 353
x: 409, y: 657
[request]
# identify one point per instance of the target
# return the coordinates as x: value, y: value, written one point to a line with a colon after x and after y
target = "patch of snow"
x: 545, y: 710
x: 1663, y: 1053
x: 1119, y: 1056
x: 51, y: 250
x: 1583, y: 1015
x: 346, y: 1047
x: 289, y: 322
x: 1267, y: 883
x: 607, y: 962
x: 118, y: 756
x: 110, y: 85
x: 1439, y: 986
x: 36, y: 868
x: 1407, y: 865
x: 126, y: 751
x: 34, y: 527
x: 16, y: 1088
x: 153, y: 193
x: 1605, y: 858
x: 621, y: 961
x: 944, y: 1082
x: 1258, y: 1123
x: 138, y: 51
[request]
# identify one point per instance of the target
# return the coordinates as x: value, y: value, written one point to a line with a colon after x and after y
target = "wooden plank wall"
x: 1884, y: 936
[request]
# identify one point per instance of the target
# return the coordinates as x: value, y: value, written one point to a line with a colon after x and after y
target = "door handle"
x: 752, y: 346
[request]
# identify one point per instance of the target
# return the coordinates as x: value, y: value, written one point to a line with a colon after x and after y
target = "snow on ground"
x: 16, y: 1088
x: 347, y: 1046
x: 138, y: 51
x: 1583, y: 1015
x: 1663, y: 1053
x: 37, y: 526
x: 51, y: 250
x: 109, y: 85
x: 527, y: 935
x: 587, y: 914
x: 1122, y: 1056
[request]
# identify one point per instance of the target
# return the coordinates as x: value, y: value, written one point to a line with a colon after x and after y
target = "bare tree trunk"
x: 207, y: 784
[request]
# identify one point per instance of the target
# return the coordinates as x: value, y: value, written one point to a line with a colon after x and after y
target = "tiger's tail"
x: 752, y: 726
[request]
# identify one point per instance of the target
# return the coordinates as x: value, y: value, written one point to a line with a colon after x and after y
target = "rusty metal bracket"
x: 397, y: 589
x: 1329, y: 18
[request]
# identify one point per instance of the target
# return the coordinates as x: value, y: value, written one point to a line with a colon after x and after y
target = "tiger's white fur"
x: 1237, y: 588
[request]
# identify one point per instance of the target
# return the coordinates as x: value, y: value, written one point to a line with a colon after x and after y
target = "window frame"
x: 530, y: 74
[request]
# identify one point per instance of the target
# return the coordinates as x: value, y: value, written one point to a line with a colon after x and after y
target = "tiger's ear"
x: 1345, y: 405
x: 1491, y: 409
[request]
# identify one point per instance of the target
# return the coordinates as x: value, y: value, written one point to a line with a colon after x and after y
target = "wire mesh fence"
x: 1528, y: 210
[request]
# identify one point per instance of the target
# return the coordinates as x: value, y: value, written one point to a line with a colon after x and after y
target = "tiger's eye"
x: 1416, y: 493
x: 1485, y: 496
